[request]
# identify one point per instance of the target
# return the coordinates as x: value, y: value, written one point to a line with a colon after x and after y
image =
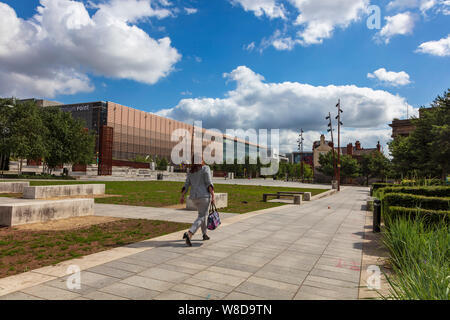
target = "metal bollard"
x: 376, y: 215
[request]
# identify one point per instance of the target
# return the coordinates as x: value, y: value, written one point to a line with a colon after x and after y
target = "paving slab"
x: 311, y: 251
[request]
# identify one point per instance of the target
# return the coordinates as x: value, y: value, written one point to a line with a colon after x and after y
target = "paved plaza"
x: 312, y: 251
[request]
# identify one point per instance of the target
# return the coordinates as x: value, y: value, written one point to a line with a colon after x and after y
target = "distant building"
x: 404, y: 127
x: 401, y: 128
x: 297, y: 157
x: 42, y: 102
x: 324, y: 146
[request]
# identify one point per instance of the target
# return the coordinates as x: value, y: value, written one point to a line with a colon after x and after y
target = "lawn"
x: 25, y: 250
x: 241, y: 199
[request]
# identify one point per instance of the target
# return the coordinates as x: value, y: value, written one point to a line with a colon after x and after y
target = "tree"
x: 349, y: 166
x: 374, y: 165
x: 6, y: 106
x: 327, y: 164
x: 67, y: 140
x: 27, y: 132
x: 426, y: 152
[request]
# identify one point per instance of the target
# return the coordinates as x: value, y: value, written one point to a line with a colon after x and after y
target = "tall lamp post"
x: 338, y: 117
x: 300, y: 148
x: 330, y: 129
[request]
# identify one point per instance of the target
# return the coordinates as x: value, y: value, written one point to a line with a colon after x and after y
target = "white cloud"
x: 400, y: 24
x: 439, y: 48
x: 190, y: 10
x: 390, y: 78
x: 55, y: 50
x: 320, y: 17
x: 250, y: 46
x: 271, y: 8
x: 290, y: 106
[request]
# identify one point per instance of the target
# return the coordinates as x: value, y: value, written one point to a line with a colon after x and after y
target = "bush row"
x: 428, y: 216
x: 440, y: 191
x: 415, y: 201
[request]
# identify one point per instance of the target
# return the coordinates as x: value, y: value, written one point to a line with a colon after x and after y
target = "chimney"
x: 322, y: 140
x: 349, y: 149
x: 379, y: 146
x: 358, y: 145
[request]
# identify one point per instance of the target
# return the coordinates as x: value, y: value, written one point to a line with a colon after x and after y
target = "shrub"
x: 422, y: 191
x: 415, y: 201
x: 378, y: 185
x: 429, y: 216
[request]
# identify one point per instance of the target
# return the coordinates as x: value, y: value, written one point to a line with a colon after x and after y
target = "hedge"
x: 423, y: 191
x: 415, y: 201
x: 379, y: 185
x: 433, y: 216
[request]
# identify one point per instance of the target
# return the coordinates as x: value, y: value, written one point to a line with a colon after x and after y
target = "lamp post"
x: 338, y: 117
x: 300, y: 148
x: 330, y: 129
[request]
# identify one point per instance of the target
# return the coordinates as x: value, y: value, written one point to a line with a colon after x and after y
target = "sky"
x: 234, y: 64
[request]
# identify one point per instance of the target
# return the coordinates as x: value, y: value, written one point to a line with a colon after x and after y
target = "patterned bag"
x: 213, y: 218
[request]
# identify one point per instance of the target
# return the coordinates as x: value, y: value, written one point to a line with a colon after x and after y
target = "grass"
x: 241, y: 199
x: 24, y: 250
x: 420, y: 256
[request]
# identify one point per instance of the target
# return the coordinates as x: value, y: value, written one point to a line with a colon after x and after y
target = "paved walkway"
x: 135, y: 212
x: 308, y: 252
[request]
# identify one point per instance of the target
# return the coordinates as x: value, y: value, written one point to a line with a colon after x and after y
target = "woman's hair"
x: 196, y: 167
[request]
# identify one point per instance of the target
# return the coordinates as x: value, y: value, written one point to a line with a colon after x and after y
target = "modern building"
x: 298, y: 157
x: 125, y: 133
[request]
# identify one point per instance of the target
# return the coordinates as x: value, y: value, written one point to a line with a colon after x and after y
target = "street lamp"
x: 338, y: 117
x: 300, y: 148
x: 330, y: 129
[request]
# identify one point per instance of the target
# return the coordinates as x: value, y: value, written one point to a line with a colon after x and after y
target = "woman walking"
x: 202, y: 194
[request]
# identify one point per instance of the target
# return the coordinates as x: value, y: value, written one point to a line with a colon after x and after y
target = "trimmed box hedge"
x: 415, y: 201
x: 378, y: 185
x: 430, y: 216
x: 422, y: 191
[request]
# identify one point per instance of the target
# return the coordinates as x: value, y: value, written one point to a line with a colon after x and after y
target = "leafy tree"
x: 67, y: 141
x: 6, y: 112
x: 327, y: 164
x: 162, y: 164
x: 426, y: 152
x: 349, y: 165
x: 27, y: 132
x: 374, y: 165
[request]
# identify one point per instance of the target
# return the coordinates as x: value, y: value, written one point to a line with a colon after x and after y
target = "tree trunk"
x: 20, y: 167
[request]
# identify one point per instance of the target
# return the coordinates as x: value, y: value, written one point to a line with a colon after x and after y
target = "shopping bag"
x: 213, y: 218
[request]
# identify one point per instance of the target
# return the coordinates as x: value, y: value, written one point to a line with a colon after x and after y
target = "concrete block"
x: 307, y: 196
x: 298, y: 199
x: 221, y: 202
x: 13, y: 187
x: 44, y: 192
x: 12, y: 214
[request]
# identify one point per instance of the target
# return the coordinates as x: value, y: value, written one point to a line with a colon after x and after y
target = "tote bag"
x: 213, y: 218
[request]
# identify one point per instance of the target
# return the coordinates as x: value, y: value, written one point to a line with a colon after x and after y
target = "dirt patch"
x: 67, y: 224
x: 24, y: 250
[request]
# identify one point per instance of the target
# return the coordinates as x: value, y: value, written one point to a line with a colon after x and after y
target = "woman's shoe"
x: 188, y: 241
x: 205, y: 237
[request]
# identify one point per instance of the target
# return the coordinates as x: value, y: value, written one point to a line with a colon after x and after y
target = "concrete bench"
x: 13, y: 187
x: 306, y: 195
x: 54, y: 191
x: 29, y: 211
x: 267, y: 195
x: 221, y: 202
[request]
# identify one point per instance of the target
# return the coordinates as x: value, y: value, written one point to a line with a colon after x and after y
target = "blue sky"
x: 222, y: 35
